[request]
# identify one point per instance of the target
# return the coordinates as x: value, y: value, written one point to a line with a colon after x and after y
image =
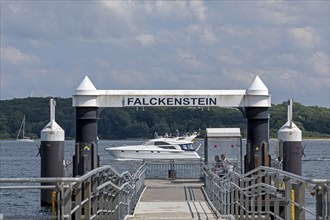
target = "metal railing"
x: 268, y: 193
x: 101, y: 193
x: 263, y: 193
x: 174, y: 169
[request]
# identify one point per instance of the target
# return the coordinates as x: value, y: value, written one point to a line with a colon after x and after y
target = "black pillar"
x: 257, y: 149
x: 52, y: 157
x: 86, y: 156
x: 292, y: 154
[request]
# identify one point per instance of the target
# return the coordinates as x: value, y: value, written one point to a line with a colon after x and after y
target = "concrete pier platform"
x: 169, y: 200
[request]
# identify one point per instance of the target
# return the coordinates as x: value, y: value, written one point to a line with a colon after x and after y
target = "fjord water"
x: 19, y: 159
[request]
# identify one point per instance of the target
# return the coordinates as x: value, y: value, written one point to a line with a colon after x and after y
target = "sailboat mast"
x: 21, y: 129
x: 23, y: 123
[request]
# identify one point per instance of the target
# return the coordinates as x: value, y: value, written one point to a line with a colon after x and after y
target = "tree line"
x: 124, y: 123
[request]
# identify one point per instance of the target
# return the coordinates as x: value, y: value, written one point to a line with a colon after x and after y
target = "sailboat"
x: 20, y: 135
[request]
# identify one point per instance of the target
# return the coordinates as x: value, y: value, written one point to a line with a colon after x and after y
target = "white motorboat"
x: 159, y: 148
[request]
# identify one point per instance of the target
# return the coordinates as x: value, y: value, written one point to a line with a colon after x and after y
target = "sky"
x: 47, y: 47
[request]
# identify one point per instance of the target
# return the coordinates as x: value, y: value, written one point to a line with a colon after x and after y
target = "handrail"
x: 264, y: 191
x: 288, y: 174
x: 41, y: 180
x: 113, y: 185
x: 110, y: 193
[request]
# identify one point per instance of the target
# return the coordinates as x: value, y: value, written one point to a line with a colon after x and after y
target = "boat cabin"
x: 170, y: 146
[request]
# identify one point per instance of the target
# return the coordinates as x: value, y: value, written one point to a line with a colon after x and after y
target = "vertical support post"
x: 240, y: 157
x: 206, y: 150
x: 276, y: 205
x: 78, y: 200
x: 288, y: 197
x: 68, y: 200
x: 299, y: 195
x: 259, y: 195
x: 257, y: 137
x: 237, y: 197
x: 327, y: 189
x: 267, y: 203
x: 86, y: 156
x: 95, y: 198
x: 220, y: 196
x: 87, y: 196
x: 232, y: 199
x: 241, y: 198
x: 319, y: 197
x: 247, y: 204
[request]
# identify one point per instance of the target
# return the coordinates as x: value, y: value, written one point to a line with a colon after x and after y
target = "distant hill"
x: 123, y: 123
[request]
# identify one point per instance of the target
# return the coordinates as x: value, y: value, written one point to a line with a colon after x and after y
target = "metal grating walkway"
x: 169, y: 200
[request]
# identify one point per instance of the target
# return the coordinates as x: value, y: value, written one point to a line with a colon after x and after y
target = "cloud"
x: 277, y: 13
x: 146, y: 39
x: 304, y: 37
x: 204, y: 33
x: 205, y: 44
x: 320, y: 63
x: 198, y: 9
x: 16, y: 8
x: 191, y: 62
x: 181, y: 10
x: 15, y: 57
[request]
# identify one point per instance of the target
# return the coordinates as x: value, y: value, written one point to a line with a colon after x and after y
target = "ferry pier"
x: 259, y: 187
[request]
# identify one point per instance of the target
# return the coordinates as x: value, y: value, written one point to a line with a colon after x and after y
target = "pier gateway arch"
x: 254, y: 103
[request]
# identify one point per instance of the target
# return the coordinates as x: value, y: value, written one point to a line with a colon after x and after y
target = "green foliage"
x: 122, y: 123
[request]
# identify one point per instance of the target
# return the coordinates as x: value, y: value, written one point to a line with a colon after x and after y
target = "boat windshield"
x: 161, y: 143
x: 187, y: 147
x: 167, y: 147
x: 149, y: 143
x: 157, y: 143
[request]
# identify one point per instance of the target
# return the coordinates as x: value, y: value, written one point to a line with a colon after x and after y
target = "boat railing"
x: 180, y: 168
x: 174, y: 169
x: 102, y: 192
x: 268, y: 193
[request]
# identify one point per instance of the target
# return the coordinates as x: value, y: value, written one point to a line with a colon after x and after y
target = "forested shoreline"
x: 125, y: 123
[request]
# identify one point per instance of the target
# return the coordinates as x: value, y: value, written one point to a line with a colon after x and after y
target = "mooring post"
x: 290, y: 138
x: 290, y: 141
x: 52, y: 154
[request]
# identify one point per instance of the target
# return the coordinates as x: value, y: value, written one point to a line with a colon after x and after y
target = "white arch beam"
x: 86, y: 95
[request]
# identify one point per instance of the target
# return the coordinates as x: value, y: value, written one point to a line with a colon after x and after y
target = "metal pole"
x: 319, y: 196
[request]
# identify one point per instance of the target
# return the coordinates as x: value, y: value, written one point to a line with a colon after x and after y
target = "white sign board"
x: 170, y: 101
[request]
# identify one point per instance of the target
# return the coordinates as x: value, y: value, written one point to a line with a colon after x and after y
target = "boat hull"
x: 151, y: 154
x: 25, y: 140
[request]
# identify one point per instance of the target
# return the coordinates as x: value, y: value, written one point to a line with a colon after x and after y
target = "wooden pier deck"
x: 169, y: 200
